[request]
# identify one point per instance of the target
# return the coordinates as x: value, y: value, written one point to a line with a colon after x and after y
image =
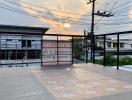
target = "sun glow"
x: 67, y: 25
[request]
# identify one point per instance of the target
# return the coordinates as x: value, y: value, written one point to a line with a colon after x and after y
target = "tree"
x: 78, y: 51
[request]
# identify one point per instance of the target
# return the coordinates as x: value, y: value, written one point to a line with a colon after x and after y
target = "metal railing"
x: 117, y: 50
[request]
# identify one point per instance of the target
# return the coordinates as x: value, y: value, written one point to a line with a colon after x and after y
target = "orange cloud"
x: 59, y: 7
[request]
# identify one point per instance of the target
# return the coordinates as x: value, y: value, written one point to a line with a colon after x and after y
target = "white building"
x: 125, y: 46
x: 112, y: 44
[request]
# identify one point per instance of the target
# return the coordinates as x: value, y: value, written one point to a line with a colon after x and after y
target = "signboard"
x: 57, y: 53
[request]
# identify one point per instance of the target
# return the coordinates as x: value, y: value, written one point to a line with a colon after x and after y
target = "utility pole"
x: 93, y: 11
x: 92, y: 30
x: 99, y: 13
x: 92, y: 33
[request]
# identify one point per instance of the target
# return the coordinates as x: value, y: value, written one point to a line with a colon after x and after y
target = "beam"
x: 115, y: 33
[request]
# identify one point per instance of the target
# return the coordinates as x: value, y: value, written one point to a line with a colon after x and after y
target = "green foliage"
x: 98, y: 47
x: 100, y: 62
x: 111, y: 61
x: 78, y: 48
x: 125, y: 61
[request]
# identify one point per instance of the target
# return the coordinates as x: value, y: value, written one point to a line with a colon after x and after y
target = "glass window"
x: 121, y: 45
x: 109, y: 44
x: 28, y: 43
x: 23, y: 43
x: 115, y: 45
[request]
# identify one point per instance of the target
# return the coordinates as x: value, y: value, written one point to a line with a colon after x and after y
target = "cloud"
x: 55, y: 20
x: 56, y: 17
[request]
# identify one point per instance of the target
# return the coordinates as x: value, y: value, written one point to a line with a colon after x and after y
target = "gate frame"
x: 71, y: 36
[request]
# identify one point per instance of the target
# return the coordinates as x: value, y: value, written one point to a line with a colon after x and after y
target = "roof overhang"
x: 13, y: 29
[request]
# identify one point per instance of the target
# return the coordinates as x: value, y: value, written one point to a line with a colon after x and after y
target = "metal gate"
x: 65, y: 49
x: 57, y: 50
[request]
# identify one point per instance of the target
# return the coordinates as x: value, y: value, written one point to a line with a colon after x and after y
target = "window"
x: 8, y: 39
x: 4, y: 54
x: 109, y: 44
x: 34, y: 54
x: 13, y: 54
x: 20, y: 54
x: 28, y: 43
x: 115, y: 45
x: 23, y: 43
x: 121, y: 45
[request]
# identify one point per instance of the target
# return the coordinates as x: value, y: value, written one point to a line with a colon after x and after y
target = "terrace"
x: 77, y: 82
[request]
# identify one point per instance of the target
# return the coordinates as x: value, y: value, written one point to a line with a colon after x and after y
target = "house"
x: 20, y: 45
x: 125, y: 46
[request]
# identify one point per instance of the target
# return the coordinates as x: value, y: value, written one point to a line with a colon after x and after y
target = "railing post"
x: 93, y: 49
x: 118, y: 40
x: 22, y: 52
x: 104, y: 50
x: 72, y: 50
x: 42, y: 50
x: 57, y: 51
x: 86, y: 48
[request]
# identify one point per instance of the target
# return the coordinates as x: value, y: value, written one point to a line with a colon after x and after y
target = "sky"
x: 55, y: 13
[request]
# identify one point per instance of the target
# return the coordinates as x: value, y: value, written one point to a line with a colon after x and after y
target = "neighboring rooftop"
x: 24, y: 29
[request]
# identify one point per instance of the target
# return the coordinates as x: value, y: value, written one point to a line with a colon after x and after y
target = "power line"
x: 45, y: 12
x: 22, y: 12
x: 35, y: 9
x: 60, y: 16
x: 46, y: 8
x: 52, y: 19
x: 123, y: 10
x: 36, y: 16
x: 113, y: 7
x: 115, y: 23
x: 121, y: 5
x: 112, y: 27
x: 60, y: 19
x: 102, y: 17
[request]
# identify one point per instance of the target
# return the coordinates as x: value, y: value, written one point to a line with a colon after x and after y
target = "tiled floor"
x: 81, y: 82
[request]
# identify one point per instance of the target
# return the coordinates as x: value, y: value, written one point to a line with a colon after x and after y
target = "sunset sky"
x: 55, y: 13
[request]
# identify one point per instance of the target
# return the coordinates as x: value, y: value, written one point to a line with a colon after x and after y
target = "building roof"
x: 22, y: 29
